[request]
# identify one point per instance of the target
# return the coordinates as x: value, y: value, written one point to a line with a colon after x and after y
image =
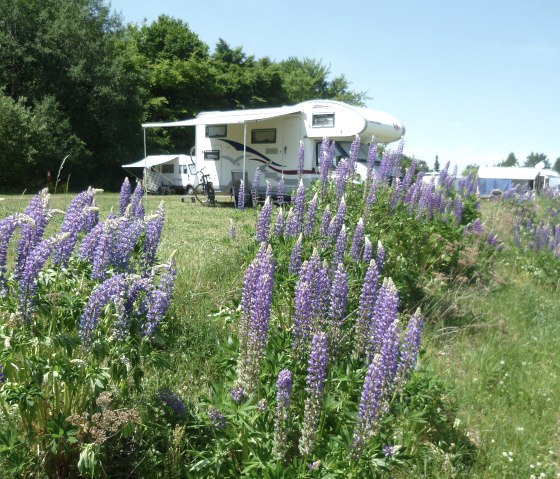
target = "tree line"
x: 76, y: 82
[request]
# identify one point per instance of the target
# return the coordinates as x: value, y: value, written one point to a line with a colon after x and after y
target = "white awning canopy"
x: 152, y: 160
x: 229, y: 117
x: 510, y: 173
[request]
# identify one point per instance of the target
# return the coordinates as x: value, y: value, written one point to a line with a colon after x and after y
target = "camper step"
x: 188, y: 199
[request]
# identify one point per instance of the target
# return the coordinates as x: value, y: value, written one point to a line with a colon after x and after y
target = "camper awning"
x: 229, y: 117
x: 151, y: 160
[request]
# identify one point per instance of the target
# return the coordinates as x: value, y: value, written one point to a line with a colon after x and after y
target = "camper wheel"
x: 189, y: 190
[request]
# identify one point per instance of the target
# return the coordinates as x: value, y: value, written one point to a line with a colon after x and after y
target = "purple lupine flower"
x: 7, y: 228
x: 310, y: 303
x: 263, y: 223
x: 237, y: 394
x: 315, y: 380
x: 291, y: 225
x: 390, y: 451
x: 261, y: 405
x: 107, y: 291
x: 368, y: 250
x: 127, y: 232
x: 336, y: 223
x: 380, y: 257
x: 326, y: 154
x: 31, y: 269
x: 154, y: 227
x: 389, y: 351
x: 314, y: 466
x: 103, y: 249
x: 2, y: 374
x: 411, y: 346
x: 368, y: 410
x: 384, y: 315
x: 354, y: 155
x: 295, y: 256
x: 371, y: 159
x: 340, y: 247
x: 342, y: 172
x: 256, y: 302
x: 241, y: 196
x: 365, y: 307
x: 357, y: 241
x: 279, y: 223
x: 161, y: 299
x: 137, y: 202
x: 301, y: 158
x: 407, y: 181
x: 173, y: 401
x: 125, y: 196
x: 299, y: 208
x: 256, y: 183
x: 87, y: 247
x: 371, y: 196
x: 32, y: 232
x: 283, y: 392
x: 136, y: 304
x: 310, y: 217
x: 476, y: 227
x: 217, y: 419
x: 231, y: 230
x: 280, y: 191
x: 268, y: 191
x: 337, y: 308
x: 325, y: 223
x: 77, y: 219
x: 458, y: 208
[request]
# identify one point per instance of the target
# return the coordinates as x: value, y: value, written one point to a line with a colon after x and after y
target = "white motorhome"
x: 166, y: 173
x: 230, y: 145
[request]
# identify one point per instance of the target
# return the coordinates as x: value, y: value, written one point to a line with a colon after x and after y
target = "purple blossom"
x: 87, y: 247
x: 2, y: 374
x: 371, y: 196
x: 384, y: 314
x: 295, y: 256
x: 279, y: 223
x: 127, y: 232
x: 255, y: 185
x: 368, y: 250
x: 357, y: 241
x: 411, y: 346
x: 326, y: 154
x: 32, y: 232
x: 217, y: 419
x: 342, y: 172
x: 301, y: 158
x: 283, y: 393
x: 241, y: 196
x: 315, y: 381
x: 354, y: 155
x: 31, y: 269
x: 294, y: 224
x: 337, y: 308
x: 173, y: 401
x: 125, y: 196
x: 371, y: 159
x: 161, y: 299
x: 103, y: 249
x: 324, y: 230
x: 366, y: 307
x: 137, y: 202
x: 268, y: 191
x: 7, y: 228
x: 291, y: 225
x: 280, y: 191
x: 256, y: 302
x: 336, y: 223
x: 154, y: 227
x: 237, y: 394
x: 340, y: 247
x: 310, y: 217
x: 458, y: 210
x: 380, y: 257
x: 263, y: 223
x: 390, y: 451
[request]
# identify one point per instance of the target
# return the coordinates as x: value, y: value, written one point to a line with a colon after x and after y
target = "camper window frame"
x: 167, y: 168
x: 212, y: 155
x: 316, y: 117
x: 255, y: 136
x: 216, y: 131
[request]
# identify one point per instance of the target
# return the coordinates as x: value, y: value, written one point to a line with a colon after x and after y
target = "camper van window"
x: 212, y: 155
x: 323, y: 120
x: 216, y: 131
x: 192, y: 169
x: 167, y: 168
x: 267, y: 135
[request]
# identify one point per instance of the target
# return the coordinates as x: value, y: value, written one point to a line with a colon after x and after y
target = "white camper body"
x: 230, y: 145
x: 167, y: 173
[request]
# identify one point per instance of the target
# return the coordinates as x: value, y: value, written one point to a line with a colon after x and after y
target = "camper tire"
x: 189, y: 190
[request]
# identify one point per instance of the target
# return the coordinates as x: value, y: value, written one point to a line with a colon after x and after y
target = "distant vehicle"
x: 495, y: 180
x: 232, y: 144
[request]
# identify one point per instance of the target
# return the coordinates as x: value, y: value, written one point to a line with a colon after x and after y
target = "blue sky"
x: 472, y: 80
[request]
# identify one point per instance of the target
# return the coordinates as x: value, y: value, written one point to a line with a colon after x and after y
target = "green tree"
x: 535, y: 158
x: 469, y: 170
x: 556, y: 166
x: 511, y: 160
x: 436, y: 164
